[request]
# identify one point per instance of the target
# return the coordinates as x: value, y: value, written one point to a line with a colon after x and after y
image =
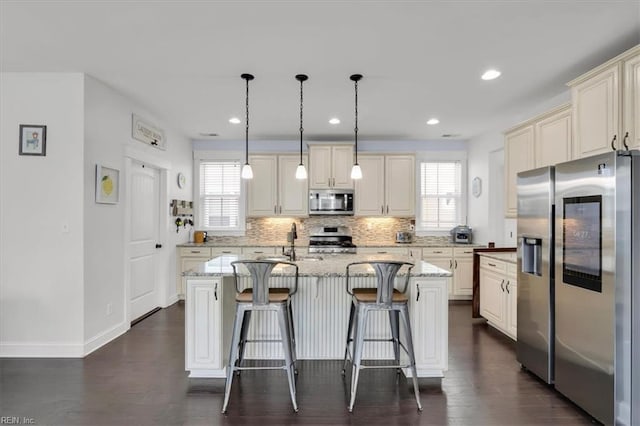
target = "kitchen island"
x: 321, y: 313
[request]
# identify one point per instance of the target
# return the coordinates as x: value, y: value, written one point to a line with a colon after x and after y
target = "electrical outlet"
x: 109, y: 308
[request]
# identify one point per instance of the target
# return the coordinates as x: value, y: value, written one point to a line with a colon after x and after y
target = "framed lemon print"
x: 107, y: 185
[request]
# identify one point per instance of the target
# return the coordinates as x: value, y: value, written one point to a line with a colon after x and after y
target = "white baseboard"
x: 41, y: 350
x: 171, y: 300
x: 105, y: 337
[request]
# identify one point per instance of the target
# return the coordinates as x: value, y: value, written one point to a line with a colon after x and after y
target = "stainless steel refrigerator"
x: 597, y: 288
x: 535, y: 271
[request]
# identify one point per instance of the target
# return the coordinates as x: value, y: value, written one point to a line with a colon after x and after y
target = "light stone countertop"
x: 509, y: 257
x: 329, y: 266
x: 306, y: 244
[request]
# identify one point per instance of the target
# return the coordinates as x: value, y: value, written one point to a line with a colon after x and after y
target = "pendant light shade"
x: 301, y: 171
x: 356, y: 171
x: 247, y: 172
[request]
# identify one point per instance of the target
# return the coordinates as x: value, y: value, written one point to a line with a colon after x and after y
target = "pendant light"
x: 247, y: 172
x: 356, y: 171
x: 301, y: 171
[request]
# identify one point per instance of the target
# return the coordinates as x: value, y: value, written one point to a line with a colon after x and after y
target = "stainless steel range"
x: 331, y: 239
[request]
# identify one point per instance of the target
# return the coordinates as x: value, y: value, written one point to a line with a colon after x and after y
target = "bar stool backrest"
x: 386, y: 272
x: 260, y: 271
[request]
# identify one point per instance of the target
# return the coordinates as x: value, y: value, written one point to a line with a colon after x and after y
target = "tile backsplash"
x: 365, y: 230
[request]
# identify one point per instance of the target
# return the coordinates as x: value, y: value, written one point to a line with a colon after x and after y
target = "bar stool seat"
x: 262, y: 298
x: 382, y: 298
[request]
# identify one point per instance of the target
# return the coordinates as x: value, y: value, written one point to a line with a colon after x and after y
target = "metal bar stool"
x: 262, y: 298
x: 382, y: 298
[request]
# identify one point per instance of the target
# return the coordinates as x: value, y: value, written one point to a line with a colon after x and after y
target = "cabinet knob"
x: 158, y: 245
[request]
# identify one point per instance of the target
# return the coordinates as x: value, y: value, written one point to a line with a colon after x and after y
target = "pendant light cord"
x: 301, y: 128
x: 246, y: 133
x: 356, y: 126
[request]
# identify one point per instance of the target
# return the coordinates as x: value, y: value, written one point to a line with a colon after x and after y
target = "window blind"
x: 220, y: 186
x: 440, y: 195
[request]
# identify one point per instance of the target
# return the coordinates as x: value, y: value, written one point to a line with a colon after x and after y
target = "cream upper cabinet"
x: 370, y: 189
x: 262, y: 196
x: 274, y: 189
x: 631, y: 120
x: 330, y: 166
x: 293, y: 194
x: 605, y: 106
x: 518, y: 157
x: 553, y: 137
x: 400, y: 182
x: 596, y: 112
x: 387, y: 187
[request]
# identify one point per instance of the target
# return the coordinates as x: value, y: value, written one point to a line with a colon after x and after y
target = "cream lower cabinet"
x: 208, y: 321
x: 189, y: 257
x: 274, y: 190
x: 457, y: 260
x: 499, y: 295
x: 387, y: 187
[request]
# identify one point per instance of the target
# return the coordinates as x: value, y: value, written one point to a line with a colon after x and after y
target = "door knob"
x: 158, y: 245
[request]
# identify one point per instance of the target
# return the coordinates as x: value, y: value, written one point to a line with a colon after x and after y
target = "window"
x: 440, y: 203
x: 220, y: 206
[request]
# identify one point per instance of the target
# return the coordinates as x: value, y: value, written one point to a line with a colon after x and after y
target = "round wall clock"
x: 182, y: 180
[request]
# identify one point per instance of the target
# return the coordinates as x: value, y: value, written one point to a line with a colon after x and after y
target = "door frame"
x: 132, y: 155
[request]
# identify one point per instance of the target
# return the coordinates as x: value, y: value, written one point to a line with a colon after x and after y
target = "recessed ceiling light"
x: 334, y: 120
x: 490, y: 74
x: 234, y: 120
x: 433, y: 121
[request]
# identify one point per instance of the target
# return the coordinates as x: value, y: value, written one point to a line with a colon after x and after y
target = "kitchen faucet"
x: 291, y: 238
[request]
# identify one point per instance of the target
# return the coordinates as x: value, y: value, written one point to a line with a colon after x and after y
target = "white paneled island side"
x: 320, y: 309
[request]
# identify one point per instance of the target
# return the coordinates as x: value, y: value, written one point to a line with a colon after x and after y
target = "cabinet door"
x: 463, y: 276
x: 512, y: 304
x: 262, y: 198
x: 553, y: 139
x: 595, y: 113
x: 319, y: 167
x: 203, y: 325
x: 492, y: 299
x: 293, y: 194
x: 445, y: 263
x: 400, y: 194
x: 632, y: 102
x: 428, y: 310
x: 518, y: 157
x: 369, y: 191
x: 342, y: 162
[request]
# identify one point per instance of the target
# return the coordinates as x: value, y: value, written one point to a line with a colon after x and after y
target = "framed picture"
x: 107, y: 185
x: 33, y: 139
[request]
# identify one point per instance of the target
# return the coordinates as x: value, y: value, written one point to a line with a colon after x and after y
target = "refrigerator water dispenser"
x: 531, y: 249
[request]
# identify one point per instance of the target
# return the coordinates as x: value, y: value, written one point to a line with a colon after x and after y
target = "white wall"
x: 41, y: 274
x: 107, y: 137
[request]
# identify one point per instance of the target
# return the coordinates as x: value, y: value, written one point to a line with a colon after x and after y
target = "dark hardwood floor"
x: 139, y: 379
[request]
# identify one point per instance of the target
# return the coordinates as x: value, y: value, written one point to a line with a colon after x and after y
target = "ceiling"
x: 182, y: 60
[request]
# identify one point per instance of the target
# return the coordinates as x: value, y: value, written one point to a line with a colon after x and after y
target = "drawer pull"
x: 437, y: 251
x: 226, y: 251
x: 195, y: 251
x: 502, y: 286
x: 491, y: 264
x: 382, y: 252
x: 508, y: 287
x: 258, y: 252
x: 418, y: 292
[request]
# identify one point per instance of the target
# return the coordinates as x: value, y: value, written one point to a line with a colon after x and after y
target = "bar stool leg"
x: 243, y: 337
x: 404, y: 314
x: 349, y: 338
x: 285, y: 334
x: 358, y: 342
x: 233, y: 355
x: 293, y: 337
x: 395, y: 333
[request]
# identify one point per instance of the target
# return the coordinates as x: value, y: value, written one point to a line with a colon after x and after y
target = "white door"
x: 145, y: 206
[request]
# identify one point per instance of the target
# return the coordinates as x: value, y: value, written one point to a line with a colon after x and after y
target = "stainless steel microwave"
x: 331, y: 201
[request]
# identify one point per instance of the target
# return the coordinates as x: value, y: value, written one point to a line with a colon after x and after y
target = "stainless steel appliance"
x: 404, y: 237
x: 461, y: 234
x: 331, y: 239
x: 331, y: 202
x: 535, y: 344
x: 597, y: 275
